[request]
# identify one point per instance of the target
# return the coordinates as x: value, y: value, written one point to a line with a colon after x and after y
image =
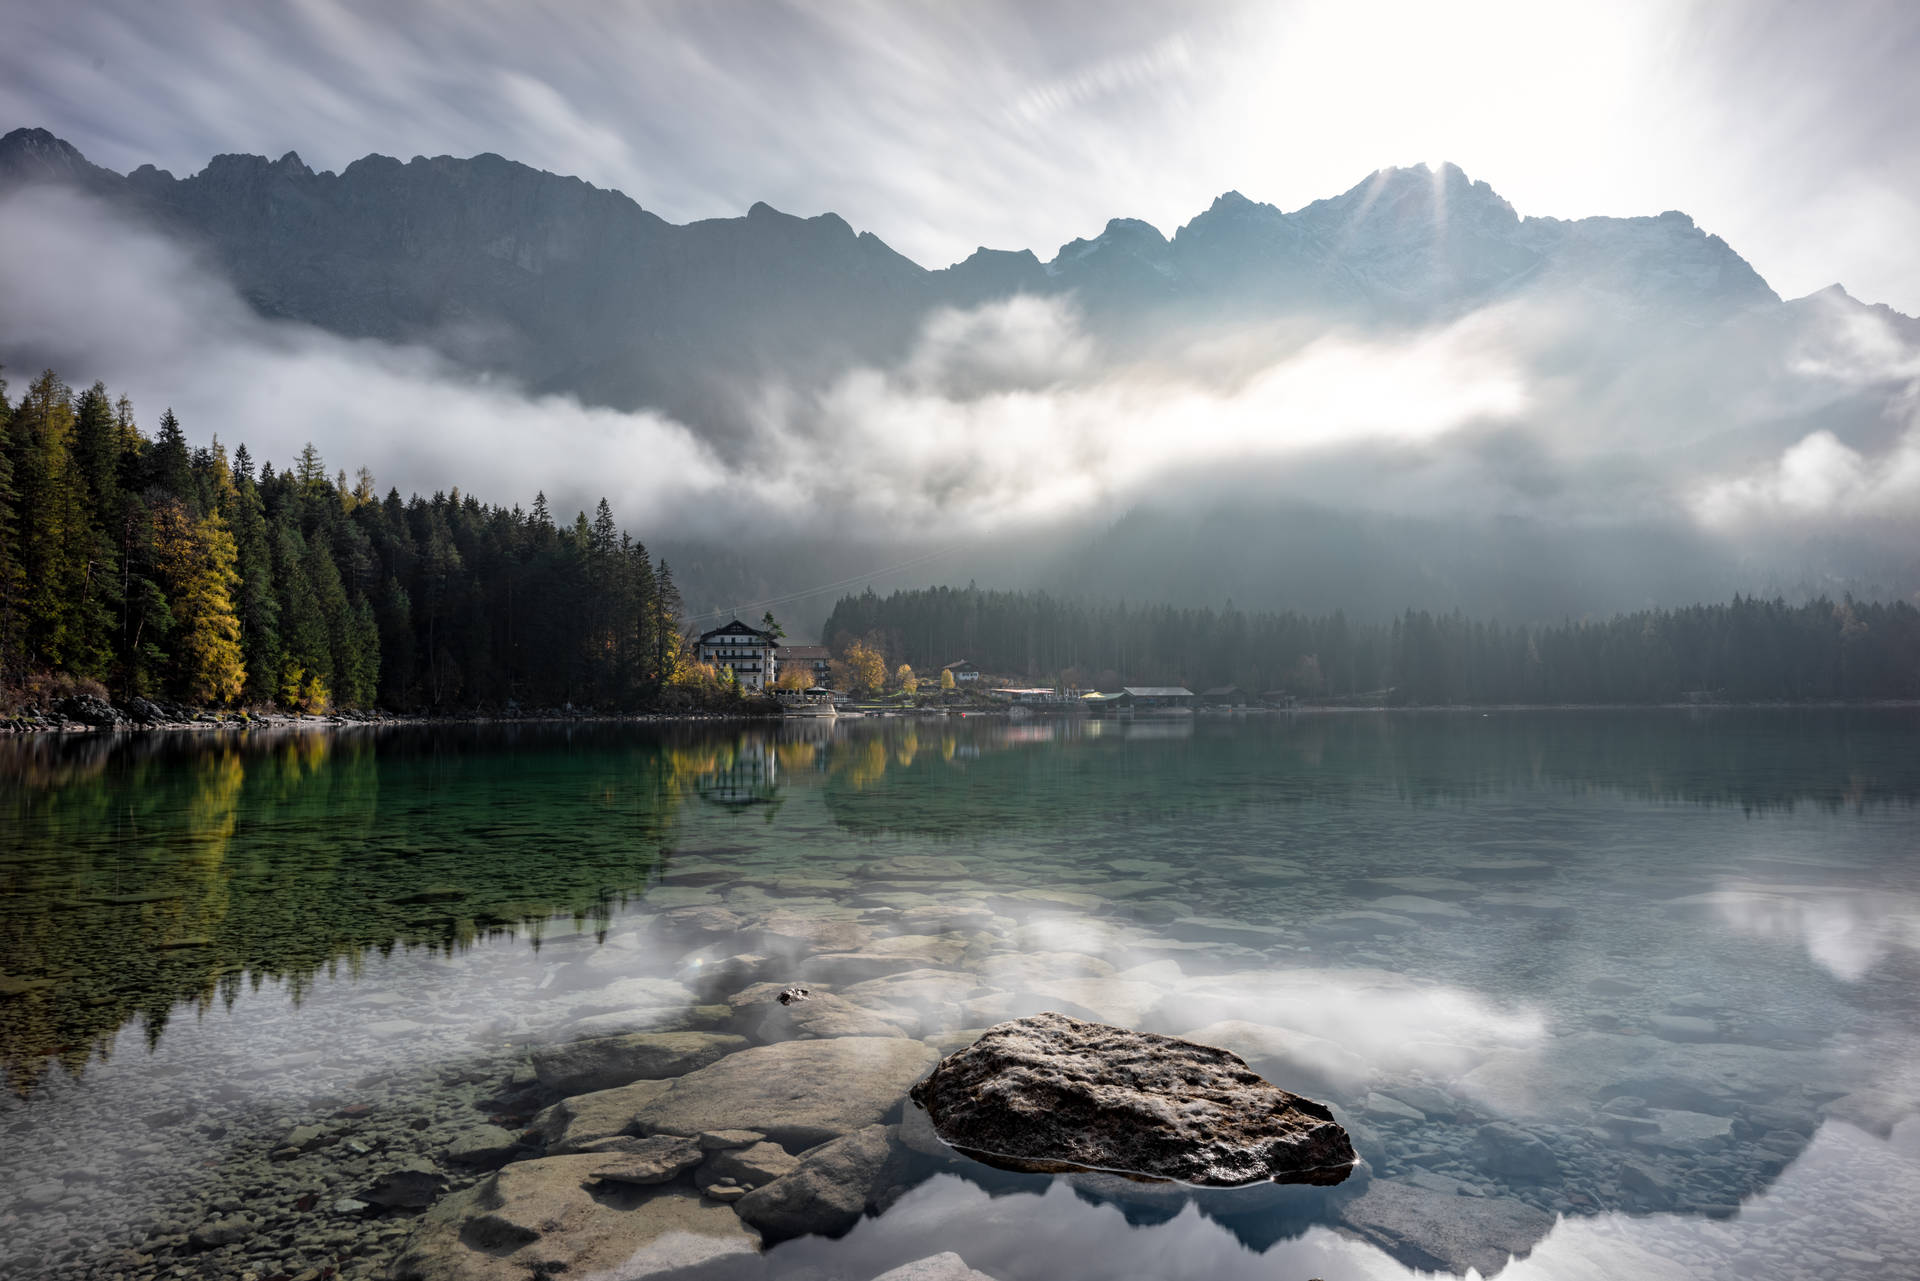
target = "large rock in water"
x: 1052, y: 1094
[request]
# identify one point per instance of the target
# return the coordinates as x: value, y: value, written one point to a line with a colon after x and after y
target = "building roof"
x: 957, y: 664
x: 1158, y: 691
x: 737, y: 626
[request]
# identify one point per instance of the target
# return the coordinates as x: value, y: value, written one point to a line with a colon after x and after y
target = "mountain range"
x: 1683, y: 357
x: 570, y: 288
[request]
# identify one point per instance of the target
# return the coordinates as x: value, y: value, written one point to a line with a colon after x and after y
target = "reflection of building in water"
x: 749, y: 775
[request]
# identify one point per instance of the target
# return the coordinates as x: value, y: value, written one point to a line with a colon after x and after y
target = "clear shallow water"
x: 1674, y: 953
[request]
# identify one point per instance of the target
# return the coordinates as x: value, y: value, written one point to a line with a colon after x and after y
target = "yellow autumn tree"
x: 866, y: 668
x: 196, y: 559
x: 946, y: 681
x: 906, y: 680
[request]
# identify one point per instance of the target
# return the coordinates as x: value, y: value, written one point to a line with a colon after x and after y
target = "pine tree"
x: 258, y: 606
x: 169, y: 463
x: 306, y: 654
x: 196, y: 558
x: 12, y: 576
x: 667, y: 644
x: 58, y: 550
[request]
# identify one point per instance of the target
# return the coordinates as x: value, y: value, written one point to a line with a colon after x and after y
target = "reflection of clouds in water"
x: 1846, y: 932
x: 1397, y: 1025
x: 1343, y: 1026
x: 1851, y: 1182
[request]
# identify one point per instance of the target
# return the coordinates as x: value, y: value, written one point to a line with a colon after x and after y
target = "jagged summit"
x: 37, y: 155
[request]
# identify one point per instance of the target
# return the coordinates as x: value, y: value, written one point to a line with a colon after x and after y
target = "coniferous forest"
x: 161, y: 570
x: 1747, y: 651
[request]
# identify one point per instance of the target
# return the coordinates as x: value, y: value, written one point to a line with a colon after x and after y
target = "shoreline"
x: 210, y: 722
x: 233, y: 723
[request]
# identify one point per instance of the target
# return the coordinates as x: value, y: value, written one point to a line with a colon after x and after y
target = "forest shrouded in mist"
x: 161, y: 570
x: 1746, y: 650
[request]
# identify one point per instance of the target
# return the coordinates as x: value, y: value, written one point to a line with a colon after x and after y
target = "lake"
x: 1597, y: 994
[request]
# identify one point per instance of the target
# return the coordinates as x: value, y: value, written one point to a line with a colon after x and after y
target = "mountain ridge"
x: 1659, y: 355
x: 569, y: 287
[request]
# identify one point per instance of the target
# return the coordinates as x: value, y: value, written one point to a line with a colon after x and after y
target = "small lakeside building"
x: 745, y: 651
x: 814, y: 660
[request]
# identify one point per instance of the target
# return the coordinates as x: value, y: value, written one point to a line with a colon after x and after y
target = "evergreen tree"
x: 259, y: 608
x: 306, y: 651
x: 196, y: 557
x: 12, y: 574
x: 169, y: 463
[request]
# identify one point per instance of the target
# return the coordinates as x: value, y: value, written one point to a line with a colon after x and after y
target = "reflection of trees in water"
x: 139, y: 874
x: 1756, y: 760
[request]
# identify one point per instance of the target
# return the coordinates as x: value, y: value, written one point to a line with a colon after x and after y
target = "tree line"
x: 142, y: 566
x: 1746, y: 650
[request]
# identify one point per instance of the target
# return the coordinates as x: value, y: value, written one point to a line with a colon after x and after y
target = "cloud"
x: 1000, y: 415
x: 95, y: 297
x: 1819, y: 479
x: 1006, y: 415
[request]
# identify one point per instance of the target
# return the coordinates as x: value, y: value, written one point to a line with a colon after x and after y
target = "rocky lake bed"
x: 1534, y: 1051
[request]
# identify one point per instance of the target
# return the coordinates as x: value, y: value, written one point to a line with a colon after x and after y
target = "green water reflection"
x: 138, y: 873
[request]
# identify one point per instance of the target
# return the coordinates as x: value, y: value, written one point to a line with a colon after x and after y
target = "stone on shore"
x: 1054, y: 1094
x: 828, y: 1190
x: 562, y: 1216
x: 605, y: 1062
x: 797, y: 1093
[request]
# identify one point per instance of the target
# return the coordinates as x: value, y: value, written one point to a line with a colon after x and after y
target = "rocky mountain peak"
x: 37, y: 155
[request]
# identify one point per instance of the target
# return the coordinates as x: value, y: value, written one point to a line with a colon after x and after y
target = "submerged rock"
x: 1053, y: 1094
x: 606, y: 1062
x: 565, y: 1216
x: 571, y: 1125
x: 828, y: 1189
x: 412, y: 1183
x: 1442, y: 1231
x: 747, y: 1168
x: 797, y: 1093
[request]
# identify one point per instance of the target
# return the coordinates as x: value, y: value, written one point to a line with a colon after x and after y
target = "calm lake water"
x: 1621, y: 994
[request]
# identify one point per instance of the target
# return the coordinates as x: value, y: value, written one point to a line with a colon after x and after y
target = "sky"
x: 1788, y: 129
